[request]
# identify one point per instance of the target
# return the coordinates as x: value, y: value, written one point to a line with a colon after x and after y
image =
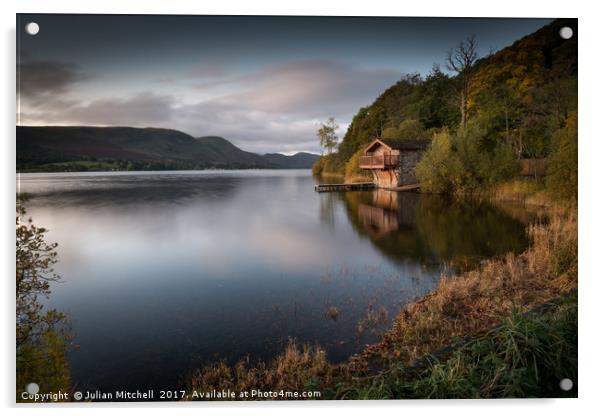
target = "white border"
x: 590, y: 151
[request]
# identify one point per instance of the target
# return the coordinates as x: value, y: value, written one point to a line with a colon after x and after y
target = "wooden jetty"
x: 362, y: 186
x: 337, y: 187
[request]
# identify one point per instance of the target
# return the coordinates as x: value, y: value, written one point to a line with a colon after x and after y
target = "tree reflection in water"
x: 431, y: 229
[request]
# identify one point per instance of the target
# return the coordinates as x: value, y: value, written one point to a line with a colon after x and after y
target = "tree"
x: 561, y: 177
x: 407, y: 129
x: 327, y: 134
x: 436, y: 106
x: 461, y: 60
x: 434, y: 171
x: 41, y: 336
x: 412, y: 129
x: 390, y: 133
x: 35, y: 258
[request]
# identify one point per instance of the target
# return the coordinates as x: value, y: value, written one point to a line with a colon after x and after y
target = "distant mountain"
x: 222, y: 151
x: 301, y: 160
x: 128, y: 148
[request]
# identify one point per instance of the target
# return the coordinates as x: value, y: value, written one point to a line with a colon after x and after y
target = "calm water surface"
x: 165, y: 271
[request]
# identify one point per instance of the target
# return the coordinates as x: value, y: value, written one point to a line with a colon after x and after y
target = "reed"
x: 295, y: 369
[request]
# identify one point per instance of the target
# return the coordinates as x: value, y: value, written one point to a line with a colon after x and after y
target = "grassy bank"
x: 525, y: 356
x: 518, y: 360
x: 525, y: 191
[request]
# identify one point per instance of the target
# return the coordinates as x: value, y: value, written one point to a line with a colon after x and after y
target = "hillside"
x: 519, y: 96
x: 128, y: 148
x: 222, y: 151
x: 301, y: 160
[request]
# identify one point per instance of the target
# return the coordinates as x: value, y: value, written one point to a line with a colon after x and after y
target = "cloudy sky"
x: 261, y: 82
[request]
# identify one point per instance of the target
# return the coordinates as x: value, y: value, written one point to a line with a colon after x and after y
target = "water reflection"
x: 166, y: 271
x: 431, y: 230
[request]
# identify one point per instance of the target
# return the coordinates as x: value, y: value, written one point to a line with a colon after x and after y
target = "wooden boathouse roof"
x: 400, y: 144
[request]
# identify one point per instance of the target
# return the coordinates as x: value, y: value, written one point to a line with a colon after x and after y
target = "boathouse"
x: 393, y: 162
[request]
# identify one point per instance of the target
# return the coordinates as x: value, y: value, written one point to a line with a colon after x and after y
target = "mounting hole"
x: 566, y: 384
x: 32, y: 28
x: 566, y: 32
x: 32, y: 388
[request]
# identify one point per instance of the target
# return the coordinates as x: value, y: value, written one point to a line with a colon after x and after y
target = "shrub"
x: 434, y: 171
x: 353, y: 173
x: 459, y: 164
x: 473, y: 163
x: 318, y: 166
x: 504, y: 165
x: 561, y: 179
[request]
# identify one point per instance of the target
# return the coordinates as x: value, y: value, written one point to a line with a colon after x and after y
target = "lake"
x: 165, y: 271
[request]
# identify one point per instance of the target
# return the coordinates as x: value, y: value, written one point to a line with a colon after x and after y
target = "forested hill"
x: 519, y: 95
x: 128, y: 148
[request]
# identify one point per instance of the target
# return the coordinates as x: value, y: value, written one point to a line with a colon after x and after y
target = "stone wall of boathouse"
x: 404, y: 174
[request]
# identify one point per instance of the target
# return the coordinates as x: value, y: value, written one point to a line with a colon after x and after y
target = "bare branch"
x: 462, y: 58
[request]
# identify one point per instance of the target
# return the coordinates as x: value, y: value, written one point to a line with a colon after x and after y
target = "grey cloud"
x: 39, y: 78
x: 144, y: 109
x: 208, y: 70
x: 255, y: 131
x: 315, y: 87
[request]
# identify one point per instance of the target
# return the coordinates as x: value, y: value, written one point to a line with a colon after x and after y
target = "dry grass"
x: 292, y: 370
x: 332, y: 312
x: 525, y: 191
x: 482, y: 298
x: 373, y: 319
